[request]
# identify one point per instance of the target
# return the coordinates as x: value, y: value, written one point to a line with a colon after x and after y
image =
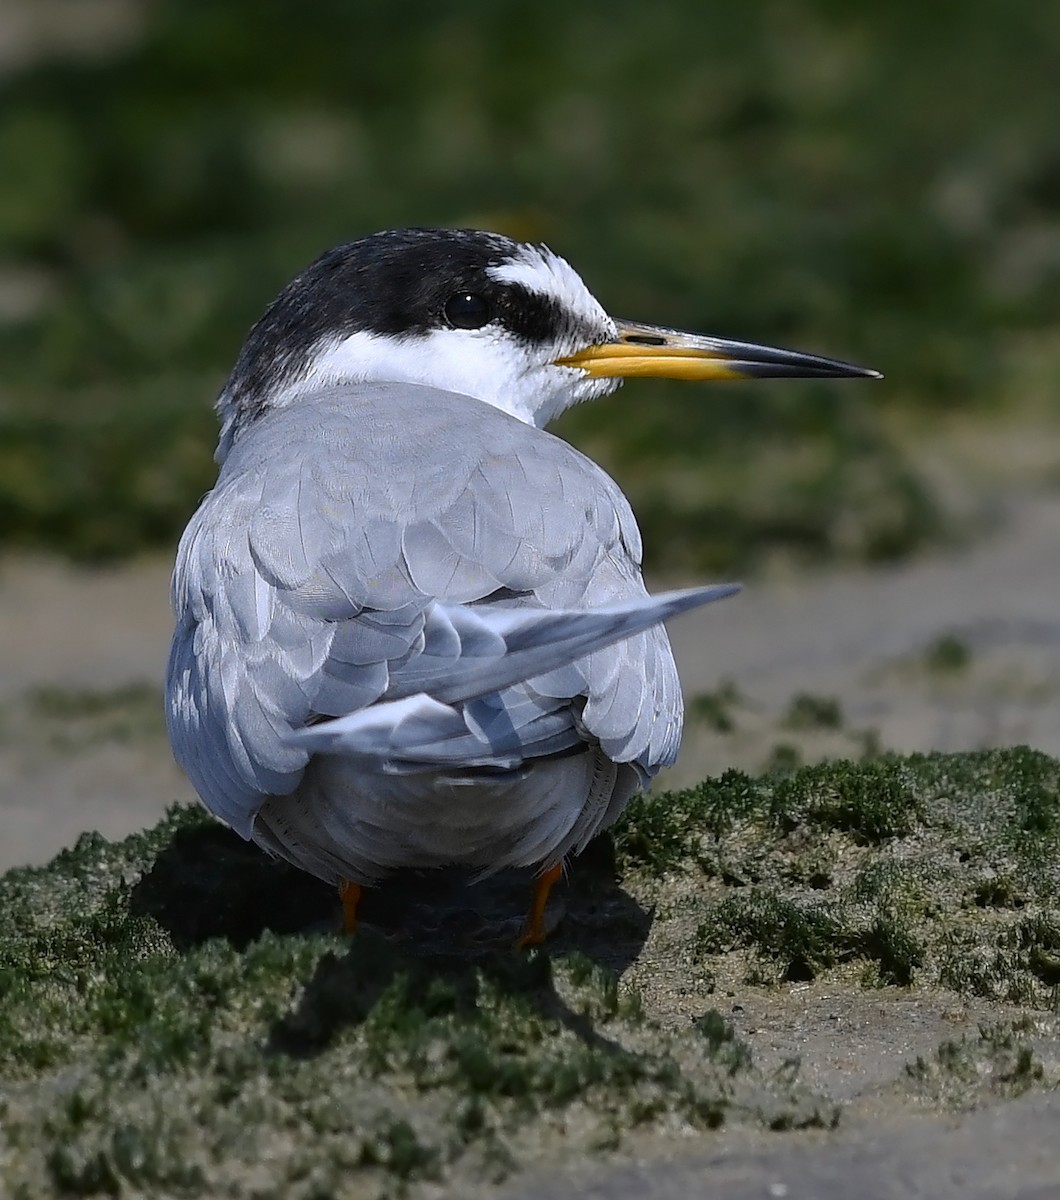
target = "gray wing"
x: 316, y: 578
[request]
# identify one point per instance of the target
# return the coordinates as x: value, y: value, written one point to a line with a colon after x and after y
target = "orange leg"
x: 533, y: 933
x: 350, y: 895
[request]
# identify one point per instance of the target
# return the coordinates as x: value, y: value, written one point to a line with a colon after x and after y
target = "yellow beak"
x: 651, y: 350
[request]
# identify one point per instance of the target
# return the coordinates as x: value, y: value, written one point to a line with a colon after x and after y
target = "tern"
x: 411, y: 626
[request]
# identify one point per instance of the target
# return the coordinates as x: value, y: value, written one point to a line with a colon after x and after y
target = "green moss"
x: 175, y: 1017
x: 159, y: 1035
x: 66, y: 703
x: 948, y: 655
x: 716, y: 709
x: 871, y: 802
x: 903, y: 870
x: 783, y: 758
x: 807, y: 711
x: 999, y: 1062
x: 73, y: 718
x: 794, y: 942
x: 662, y: 832
x: 801, y: 940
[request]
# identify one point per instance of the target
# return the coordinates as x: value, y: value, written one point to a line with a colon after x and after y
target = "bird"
x: 411, y: 628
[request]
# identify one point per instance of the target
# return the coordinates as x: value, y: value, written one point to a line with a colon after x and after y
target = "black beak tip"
x: 834, y: 368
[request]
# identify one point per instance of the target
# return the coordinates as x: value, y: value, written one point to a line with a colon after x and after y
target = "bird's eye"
x: 467, y: 310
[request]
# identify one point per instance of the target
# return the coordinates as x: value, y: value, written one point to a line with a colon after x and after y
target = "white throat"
x: 485, y: 363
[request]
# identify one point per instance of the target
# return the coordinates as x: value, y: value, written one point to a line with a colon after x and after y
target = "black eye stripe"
x: 531, y: 316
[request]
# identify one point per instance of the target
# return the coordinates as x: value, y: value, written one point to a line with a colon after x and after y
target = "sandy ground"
x: 73, y: 639
x: 1002, y: 1153
x: 78, y: 633
x: 871, y: 640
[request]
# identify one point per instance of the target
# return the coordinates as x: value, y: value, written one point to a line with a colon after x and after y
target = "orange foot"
x: 350, y: 895
x: 534, y: 931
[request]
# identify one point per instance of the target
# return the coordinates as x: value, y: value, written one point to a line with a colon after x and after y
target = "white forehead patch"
x: 540, y: 271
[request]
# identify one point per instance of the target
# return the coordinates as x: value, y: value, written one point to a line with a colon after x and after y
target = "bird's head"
x: 465, y: 311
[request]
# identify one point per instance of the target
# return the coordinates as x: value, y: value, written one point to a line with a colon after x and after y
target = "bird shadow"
x: 418, y: 929
x: 209, y: 883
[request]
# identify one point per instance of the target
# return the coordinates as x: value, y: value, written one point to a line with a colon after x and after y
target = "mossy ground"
x: 177, y: 1018
x: 169, y: 1026
x: 939, y: 870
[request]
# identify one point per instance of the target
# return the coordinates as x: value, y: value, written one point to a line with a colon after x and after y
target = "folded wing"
x: 417, y: 579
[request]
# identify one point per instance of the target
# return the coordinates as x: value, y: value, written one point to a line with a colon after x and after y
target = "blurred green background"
x: 876, y: 182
